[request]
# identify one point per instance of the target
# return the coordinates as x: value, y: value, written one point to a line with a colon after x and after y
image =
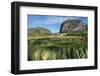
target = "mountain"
x: 38, y: 31
x: 72, y: 26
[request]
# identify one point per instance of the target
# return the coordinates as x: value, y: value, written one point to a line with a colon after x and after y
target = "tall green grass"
x: 57, y: 48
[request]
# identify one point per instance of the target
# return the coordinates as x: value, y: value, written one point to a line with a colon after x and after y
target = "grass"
x: 57, y: 47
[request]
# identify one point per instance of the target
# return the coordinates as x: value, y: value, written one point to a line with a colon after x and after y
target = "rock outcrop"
x: 72, y: 26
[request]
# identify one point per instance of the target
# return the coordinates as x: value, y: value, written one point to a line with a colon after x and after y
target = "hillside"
x: 38, y: 31
x: 72, y: 26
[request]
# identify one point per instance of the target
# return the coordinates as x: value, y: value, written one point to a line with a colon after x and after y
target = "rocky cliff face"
x: 72, y: 26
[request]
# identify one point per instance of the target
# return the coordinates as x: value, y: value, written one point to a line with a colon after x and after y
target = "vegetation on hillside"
x: 38, y: 31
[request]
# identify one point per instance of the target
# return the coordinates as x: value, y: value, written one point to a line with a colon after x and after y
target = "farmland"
x: 57, y: 47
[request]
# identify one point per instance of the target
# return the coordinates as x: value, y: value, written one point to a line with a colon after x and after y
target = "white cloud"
x: 52, y: 20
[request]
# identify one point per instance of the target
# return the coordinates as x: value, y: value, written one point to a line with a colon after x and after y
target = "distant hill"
x: 38, y: 31
x: 72, y: 26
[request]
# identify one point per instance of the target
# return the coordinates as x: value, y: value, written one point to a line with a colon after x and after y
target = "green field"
x: 57, y: 47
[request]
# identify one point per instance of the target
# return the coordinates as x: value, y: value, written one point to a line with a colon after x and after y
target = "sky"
x: 52, y: 23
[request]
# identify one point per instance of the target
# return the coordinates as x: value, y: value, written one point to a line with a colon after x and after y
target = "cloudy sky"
x: 53, y: 23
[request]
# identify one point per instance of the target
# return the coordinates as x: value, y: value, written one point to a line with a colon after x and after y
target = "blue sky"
x: 53, y: 23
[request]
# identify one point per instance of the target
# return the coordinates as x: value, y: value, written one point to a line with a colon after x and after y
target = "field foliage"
x: 57, y: 47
